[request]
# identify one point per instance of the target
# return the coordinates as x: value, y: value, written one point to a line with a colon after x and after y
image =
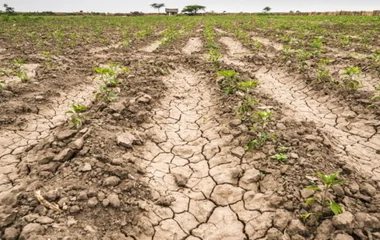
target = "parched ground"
x: 168, y: 159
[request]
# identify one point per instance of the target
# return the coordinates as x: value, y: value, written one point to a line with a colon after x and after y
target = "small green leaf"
x: 313, y: 187
x: 335, y: 207
x: 310, y: 200
x: 306, y: 216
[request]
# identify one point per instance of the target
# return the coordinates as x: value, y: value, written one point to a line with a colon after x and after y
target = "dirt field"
x: 188, y: 128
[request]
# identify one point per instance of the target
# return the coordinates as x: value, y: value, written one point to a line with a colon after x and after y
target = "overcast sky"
x: 211, y: 5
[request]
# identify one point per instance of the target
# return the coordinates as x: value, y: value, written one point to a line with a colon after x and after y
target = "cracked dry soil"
x: 193, y: 169
x: 187, y: 175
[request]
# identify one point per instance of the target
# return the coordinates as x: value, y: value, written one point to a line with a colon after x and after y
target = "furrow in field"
x: 195, y: 169
x: 368, y: 80
x: 193, y: 45
x: 353, y: 135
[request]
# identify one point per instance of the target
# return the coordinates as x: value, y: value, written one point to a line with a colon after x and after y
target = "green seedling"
x: 317, y: 42
x: 264, y: 116
x: 248, y: 85
x: 77, y: 117
x: 108, y: 75
x: 257, y: 143
x: 328, y: 181
x: 376, y: 96
x: 214, y: 57
x: 280, y: 157
x: 351, y: 74
x: 22, y: 75
x: 376, y: 56
x: 324, y: 75
x: 105, y: 94
x: 228, y: 82
x: 283, y: 149
x: 346, y: 41
x: 231, y: 74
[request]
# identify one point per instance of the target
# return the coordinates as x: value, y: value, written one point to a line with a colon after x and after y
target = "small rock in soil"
x: 144, y: 99
x: 64, y: 155
x: 325, y: 230
x: 44, y: 220
x: 165, y: 201
x: 281, y: 126
x: 126, y: 140
x: 180, y: 180
x: 297, y: 227
x: 343, y: 221
x: 367, y: 189
x: 111, y: 181
x: 11, y: 234
x: 93, y: 202
x: 89, y: 229
x: 105, y: 203
x: 366, y: 220
x: 74, y: 209
x: 238, y: 152
x: 282, y: 219
x: 235, y: 122
x: 31, y: 229
x: 306, y: 193
x: 343, y: 236
x: 101, y: 196
x: 86, y: 167
x: 273, y: 234
x: 71, y: 222
x: 65, y: 134
x: 338, y: 190
x: 114, y: 200
x: 6, y: 219
x: 77, y: 144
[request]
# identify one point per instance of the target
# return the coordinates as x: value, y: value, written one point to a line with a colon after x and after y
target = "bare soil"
x: 168, y: 160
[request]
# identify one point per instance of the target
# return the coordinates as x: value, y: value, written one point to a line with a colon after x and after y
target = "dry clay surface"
x: 194, y: 171
x: 202, y: 186
x: 354, y: 135
x: 14, y: 141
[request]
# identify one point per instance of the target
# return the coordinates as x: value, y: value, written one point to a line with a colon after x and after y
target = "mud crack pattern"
x: 197, y: 177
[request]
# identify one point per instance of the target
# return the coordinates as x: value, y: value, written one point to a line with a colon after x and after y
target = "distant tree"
x: 193, y: 9
x: 157, y: 6
x: 267, y: 9
x: 9, y: 9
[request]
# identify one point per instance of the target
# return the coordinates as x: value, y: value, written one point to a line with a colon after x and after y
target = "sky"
x: 126, y: 6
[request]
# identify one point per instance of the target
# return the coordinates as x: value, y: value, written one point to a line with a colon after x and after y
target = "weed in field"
x: 280, y: 157
x: 105, y: 94
x: 375, y: 97
x: 228, y: 82
x: 77, y: 117
x: 282, y: 149
x: 317, y: 42
x: 264, y: 117
x: 258, y: 142
x: 328, y: 181
x: 345, y: 41
x: 351, y: 75
x: 109, y: 75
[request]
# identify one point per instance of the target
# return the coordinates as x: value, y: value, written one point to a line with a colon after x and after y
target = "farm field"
x: 190, y: 127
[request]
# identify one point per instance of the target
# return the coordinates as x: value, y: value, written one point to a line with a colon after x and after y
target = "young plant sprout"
x: 280, y: 157
x: 328, y: 181
x: 77, y: 117
x: 228, y: 82
x: 351, y: 75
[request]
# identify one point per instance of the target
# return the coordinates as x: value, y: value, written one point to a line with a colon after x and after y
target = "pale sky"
x: 126, y: 6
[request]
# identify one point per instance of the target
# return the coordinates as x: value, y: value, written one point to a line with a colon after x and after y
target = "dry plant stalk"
x: 44, y: 202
